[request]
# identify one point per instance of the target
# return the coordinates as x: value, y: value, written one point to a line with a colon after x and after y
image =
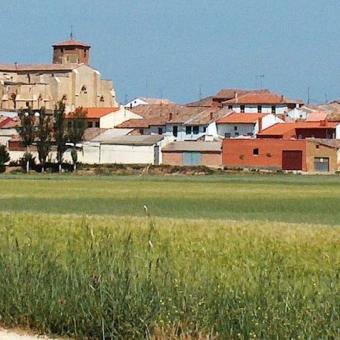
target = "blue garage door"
x: 191, y: 158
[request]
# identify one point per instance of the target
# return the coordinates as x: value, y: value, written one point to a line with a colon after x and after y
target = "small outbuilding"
x: 193, y: 154
x: 123, y: 150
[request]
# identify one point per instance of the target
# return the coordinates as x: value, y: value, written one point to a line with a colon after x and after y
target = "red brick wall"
x: 239, y: 152
x: 213, y: 160
x: 172, y: 158
x: 210, y: 159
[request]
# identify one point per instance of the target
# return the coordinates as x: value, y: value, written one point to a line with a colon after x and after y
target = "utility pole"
x: 259, y: 80
x: 308, y: 95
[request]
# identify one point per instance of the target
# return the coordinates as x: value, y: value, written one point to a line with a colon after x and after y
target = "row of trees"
x: 45, y: 130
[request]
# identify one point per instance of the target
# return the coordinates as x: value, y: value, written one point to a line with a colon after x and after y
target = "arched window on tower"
x: 84, y: 89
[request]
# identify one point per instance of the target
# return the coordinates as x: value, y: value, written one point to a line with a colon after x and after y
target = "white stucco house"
x: 244, y: 124
x: 261, y: 102
x: 106, y: 117
x: 147, y: 101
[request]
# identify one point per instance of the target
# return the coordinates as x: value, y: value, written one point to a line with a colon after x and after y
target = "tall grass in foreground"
x: 136, y: 278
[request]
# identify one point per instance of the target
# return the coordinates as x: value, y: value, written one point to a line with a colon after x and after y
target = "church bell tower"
x: 71, y: 52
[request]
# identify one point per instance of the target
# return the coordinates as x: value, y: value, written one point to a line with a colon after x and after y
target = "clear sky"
x: 183, y: 49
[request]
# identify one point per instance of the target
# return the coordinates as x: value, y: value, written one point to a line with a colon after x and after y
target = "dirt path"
x: 6, y: 334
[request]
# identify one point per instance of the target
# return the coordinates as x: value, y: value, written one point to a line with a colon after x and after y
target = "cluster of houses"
x: 235, y: 128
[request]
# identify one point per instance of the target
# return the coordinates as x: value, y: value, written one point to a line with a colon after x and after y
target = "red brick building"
x: 300, y: 130
x: 193, y: 153
x: 278, y: 154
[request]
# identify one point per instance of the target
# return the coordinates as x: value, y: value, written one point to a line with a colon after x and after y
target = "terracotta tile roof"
x: 240, y: 118
x: 193, y: 146
x: 333, y: 143
x: 204, y: 102
x: 156, y: 101
x: 71, y: 42
x: 208, y: 116
x: 317, y: 116
x: 37, y: 67
x: 95, y: 112
x: 261, y: 97
x: 171, y: 113
x: 9, y: 123
x: 141, y: 123
x: 281, y: 129
x: 91, y: 133
x: 230, y: 93
x: 135, y: 140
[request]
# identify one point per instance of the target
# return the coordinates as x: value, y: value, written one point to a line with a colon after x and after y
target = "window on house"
x: 188, y: 130
x: 204, y: 129
x: 89, y: 124
x: 141, y: 131
x: 97, y: 124
x: 273, y: 109
x: 196, y: 130
x: 175, y: 130
x: 160, y: 131
x: 256, y: 152
x: 69, y: 124
x: 230, y: 107
x: 236, y: 134
x: 27, y: 104
x: 242, y: 108
x: 317, y: 146
x: 235, y: 128
x: 259, y: 108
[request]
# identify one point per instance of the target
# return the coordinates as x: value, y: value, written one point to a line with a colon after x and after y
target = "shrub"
x: 27, y: 157
x: 4, y: 155
x: 4, y: 158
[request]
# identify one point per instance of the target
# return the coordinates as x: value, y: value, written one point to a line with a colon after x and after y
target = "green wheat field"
x: 215, y: 257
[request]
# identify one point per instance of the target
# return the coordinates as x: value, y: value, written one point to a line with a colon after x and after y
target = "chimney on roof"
x: 282, y: 98
x: 260, y: 124
x: 170, y: 116
x: 236, y: 97
x: 211, y: 115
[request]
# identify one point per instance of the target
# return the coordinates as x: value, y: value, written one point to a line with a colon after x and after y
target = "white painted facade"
x: 268, y: 121
x: 235, y: 130
x: 115, y: 118
x: 249, y: 129
x: 279, y: 109
x: 186, y: 132
x: 99, y: 153
x: 297, y: 114
x: 6, y: 135
x: 337, y: 132
x: 135, y: 102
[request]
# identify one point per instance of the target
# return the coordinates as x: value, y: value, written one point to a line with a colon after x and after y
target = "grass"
x: 220, y: 256
x: 242, y: 198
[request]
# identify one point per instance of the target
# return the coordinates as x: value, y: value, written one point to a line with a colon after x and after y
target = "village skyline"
x: 184, y: 51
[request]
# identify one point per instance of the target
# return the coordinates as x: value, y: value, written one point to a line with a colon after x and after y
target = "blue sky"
x: 183, y: 48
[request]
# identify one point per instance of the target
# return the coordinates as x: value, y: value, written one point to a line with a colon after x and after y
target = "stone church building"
x: 69, y: 78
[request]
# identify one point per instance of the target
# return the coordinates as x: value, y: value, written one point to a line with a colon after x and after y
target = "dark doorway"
x: 291, y: 160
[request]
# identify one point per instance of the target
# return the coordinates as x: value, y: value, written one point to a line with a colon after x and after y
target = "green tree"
x: 27, y: 129
x: 43, y: 136
x: 4, y: 157
x: 75, y: 131
x: 59, y: 131
x: 77, y: 126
